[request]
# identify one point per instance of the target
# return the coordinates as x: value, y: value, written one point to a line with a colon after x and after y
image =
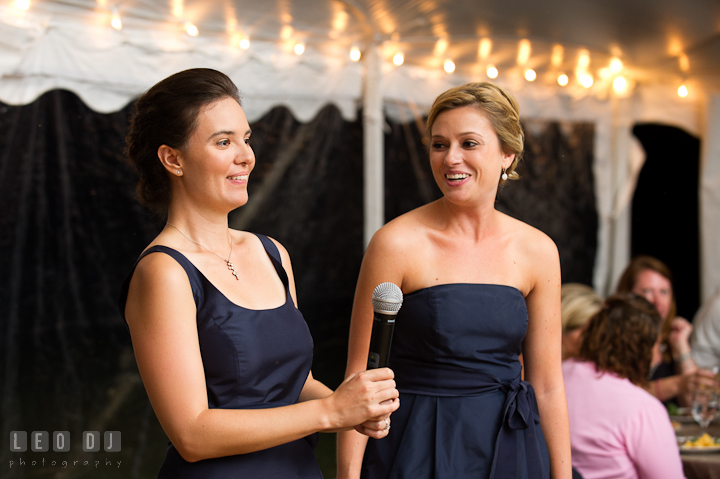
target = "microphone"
x: 386, y: 300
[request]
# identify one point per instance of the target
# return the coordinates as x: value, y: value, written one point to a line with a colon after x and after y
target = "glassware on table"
x: 704, y: 406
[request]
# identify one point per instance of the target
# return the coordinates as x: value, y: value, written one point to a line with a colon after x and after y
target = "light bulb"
x: 620, y: 84
x: 449, y: 66
x: 492, y: 72
x: 355, y: 54
x: 398, y: 59
x: 244, y: 43
x: 191, y: 29
x: 586, y: 80
x: 563, y: 79
x: 683, y: 91
x: 530, y: 74
x: 299, y: 48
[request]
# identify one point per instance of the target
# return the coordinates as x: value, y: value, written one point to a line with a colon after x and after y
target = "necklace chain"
x: 227, y: 261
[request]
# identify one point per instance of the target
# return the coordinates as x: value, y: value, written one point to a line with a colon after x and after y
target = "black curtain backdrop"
x: 665, y: 208
x: 71, y: 230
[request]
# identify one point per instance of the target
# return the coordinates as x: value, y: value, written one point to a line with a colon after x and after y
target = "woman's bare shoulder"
x: 406, y: 232
x: 528, y: 239
x: 159, y: 268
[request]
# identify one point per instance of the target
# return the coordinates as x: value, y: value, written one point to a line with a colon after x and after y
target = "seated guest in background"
x: 676, y: 375
x: 705, y: 340
x: 618, y: 429
x: 578, y: 303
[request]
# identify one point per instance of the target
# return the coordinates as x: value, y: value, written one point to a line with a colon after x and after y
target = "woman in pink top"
x: 618, y: 430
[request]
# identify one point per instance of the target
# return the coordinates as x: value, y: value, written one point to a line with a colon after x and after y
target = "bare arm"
x: 375, y: 269
x: 161, y: 315
x: 542, y: 355
x: 680, y: 331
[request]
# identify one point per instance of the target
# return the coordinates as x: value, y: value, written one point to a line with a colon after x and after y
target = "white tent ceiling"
x: 70, y: 44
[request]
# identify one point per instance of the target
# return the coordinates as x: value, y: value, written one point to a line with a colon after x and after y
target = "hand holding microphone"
x: 386, y: 300
x: 367, y: 399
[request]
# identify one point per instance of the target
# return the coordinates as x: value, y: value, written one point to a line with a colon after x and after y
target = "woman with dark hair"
x: 223, y: 351
x: 674, y: 375
x: 480, y: 288
x: 618, y: 429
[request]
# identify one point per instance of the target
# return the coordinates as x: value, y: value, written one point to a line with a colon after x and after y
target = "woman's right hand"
x: 363, y: 401
x: 679, y: 338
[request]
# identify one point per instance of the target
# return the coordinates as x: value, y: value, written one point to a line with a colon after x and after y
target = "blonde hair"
x: 578, y: 303
x: 500, y: 108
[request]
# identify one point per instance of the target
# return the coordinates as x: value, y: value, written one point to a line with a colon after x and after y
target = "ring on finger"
x: 387, y: 425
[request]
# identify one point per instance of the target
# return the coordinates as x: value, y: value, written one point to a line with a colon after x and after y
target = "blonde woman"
x: 480, y: 288
x: 578, y: 303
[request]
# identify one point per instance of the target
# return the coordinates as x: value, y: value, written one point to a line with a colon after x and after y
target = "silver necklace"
x: 227, y: 261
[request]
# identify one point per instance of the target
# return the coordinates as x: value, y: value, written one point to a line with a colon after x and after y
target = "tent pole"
x: 373, y: 142
x: 710, y: 200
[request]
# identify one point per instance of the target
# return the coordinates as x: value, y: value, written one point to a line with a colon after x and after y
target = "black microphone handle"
x: 382, y: 332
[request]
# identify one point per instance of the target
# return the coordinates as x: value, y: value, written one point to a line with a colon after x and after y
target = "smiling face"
x: 656, y: 288
x: 466, y: 156
x: 218, y: 159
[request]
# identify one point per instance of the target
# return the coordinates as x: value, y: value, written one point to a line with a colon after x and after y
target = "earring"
x: 178, y: 172
x: 504, y: 175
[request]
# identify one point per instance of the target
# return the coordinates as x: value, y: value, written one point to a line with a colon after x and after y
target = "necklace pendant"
x: 232, y: 269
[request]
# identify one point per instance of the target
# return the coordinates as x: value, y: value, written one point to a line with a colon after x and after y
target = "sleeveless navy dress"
x: 253, y: 359
x: 464, y: 412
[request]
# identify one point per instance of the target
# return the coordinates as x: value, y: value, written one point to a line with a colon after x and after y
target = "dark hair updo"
x: 167, y: 114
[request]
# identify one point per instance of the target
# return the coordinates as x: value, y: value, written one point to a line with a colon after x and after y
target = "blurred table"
x: 698, y: 465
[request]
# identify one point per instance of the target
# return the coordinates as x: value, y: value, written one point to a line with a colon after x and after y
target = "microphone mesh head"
x: 387, y: 298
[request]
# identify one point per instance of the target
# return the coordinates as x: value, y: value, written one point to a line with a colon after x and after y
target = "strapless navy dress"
x: 464, y: 412
x: 253, y: 359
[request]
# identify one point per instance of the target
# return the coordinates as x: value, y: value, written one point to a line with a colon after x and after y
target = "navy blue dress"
x: 253, y: 359
x: 464, y: 412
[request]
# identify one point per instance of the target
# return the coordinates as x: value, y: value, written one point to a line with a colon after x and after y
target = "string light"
x: 557, y: 55
x: 286, y: 32
x: 523, y: 52
x: 191, y: 29
x: 584, y: 59
x: 620, y: 84
x: 116, y: 22
x: 355, y: 54
x: 22, y: 4
x: 684, y: 62
x: 441, y: 46
x: 484, y: 48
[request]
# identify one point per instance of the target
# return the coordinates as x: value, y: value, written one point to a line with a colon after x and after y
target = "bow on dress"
x: 517, y: 452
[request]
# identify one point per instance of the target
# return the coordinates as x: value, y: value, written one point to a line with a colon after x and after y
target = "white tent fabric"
x: 69, y: 45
